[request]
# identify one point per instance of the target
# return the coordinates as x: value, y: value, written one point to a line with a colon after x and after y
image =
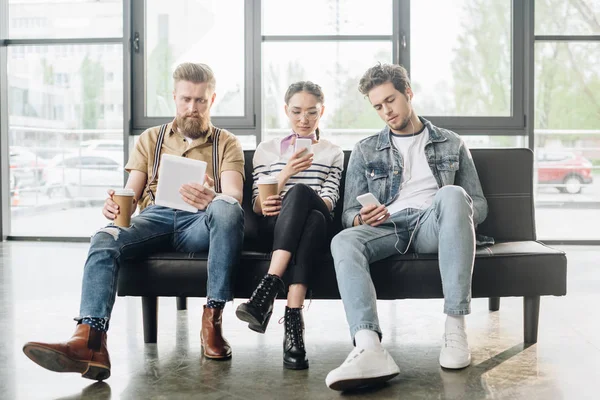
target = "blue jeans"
x: 446, y: 228
x: 219, y: 229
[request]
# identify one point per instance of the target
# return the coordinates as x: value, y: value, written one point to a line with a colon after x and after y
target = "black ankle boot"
x: 294, y: 353
x: 257, y: 311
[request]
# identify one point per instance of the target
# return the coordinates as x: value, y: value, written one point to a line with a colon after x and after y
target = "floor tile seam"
x: 585, y: 339
x: 202, y: 384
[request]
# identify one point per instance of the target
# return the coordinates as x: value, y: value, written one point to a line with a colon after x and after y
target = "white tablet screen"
x: 175, y: 171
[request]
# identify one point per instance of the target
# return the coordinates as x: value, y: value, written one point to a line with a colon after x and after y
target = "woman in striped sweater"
x: 297, y: 218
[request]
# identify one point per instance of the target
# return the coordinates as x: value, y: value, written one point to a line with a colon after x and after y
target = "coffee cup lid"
x: 267, y: 179
x: 124, y: 192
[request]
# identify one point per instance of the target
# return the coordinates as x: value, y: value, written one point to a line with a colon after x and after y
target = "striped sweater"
x: 323, y: 176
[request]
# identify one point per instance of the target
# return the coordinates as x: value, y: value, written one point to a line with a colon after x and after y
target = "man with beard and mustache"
x: 218, y: 227
x: 430, y: 200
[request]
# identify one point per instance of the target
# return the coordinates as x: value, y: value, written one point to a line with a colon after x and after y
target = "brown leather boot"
x: 84, y: 353
x: 214, y: 344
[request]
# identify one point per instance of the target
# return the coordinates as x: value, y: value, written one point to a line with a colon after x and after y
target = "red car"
x: 566, y: 171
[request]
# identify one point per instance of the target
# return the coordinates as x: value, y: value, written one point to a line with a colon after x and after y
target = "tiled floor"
x: 39, y: 294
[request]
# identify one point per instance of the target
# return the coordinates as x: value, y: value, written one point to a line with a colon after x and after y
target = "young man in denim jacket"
x: 430, y: 201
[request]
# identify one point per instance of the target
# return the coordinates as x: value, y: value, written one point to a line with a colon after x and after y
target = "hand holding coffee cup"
x: 123, y: 199
x: 268, y: 194
x: 271, y: 207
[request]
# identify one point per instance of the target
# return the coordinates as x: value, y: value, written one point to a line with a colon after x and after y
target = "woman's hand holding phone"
x: 300, y: 161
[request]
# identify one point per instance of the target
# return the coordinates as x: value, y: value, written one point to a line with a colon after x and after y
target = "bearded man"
x: 218, y: 227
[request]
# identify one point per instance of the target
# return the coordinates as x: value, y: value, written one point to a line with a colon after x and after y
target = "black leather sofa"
x: 517, y: 265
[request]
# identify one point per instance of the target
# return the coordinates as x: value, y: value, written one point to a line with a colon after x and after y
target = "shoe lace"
x: 293, y: 329
x: 263, y: 291
x: 456, y: 340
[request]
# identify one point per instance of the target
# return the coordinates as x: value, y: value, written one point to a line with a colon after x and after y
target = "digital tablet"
x: 173, y: 172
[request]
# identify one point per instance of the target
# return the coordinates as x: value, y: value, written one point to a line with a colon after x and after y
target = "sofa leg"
x: 531, y: 315
x: 494, y: 303
x: 181, y: 303
x: 150, y: 317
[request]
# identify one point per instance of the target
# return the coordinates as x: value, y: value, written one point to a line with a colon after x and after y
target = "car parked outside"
x: 102, y: 145
x: 564, y: 170
x: 88, y: 176
x: 26, y: 169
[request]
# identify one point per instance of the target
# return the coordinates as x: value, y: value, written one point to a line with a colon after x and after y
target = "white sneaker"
x: 455, y: 353
x: 363, y: 367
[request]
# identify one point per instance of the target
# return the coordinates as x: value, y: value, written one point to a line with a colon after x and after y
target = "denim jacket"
x: 375, y: 166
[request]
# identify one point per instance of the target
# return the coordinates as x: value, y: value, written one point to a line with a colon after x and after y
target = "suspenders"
x: 159, y: 143
x: 215, y: 159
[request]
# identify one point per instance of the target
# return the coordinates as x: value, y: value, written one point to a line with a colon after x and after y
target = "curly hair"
x: 382, y: 73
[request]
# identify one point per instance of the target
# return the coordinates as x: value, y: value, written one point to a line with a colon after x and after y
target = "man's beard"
x: 404, y: 124
x: 192, y: 128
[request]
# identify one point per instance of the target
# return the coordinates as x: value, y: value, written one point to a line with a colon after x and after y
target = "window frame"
x: 5, y: 43
x: 513, y: 125
x: 4, y: 149
x: 395, y: 38
x: 141, y: 122
x: 520, y: 123
x: 541, y: 38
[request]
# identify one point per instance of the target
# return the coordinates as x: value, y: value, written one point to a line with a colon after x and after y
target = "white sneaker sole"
x: 455, y: 365
x: 354, y: 383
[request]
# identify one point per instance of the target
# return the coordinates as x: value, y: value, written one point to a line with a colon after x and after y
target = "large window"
x: 348, y: 39
x: 466, y: 71
x: 465, y: 61
x: 58, y: 19
x: 571, y: 17
x: 215, y: 32
x: 65, y: 114
x: 197, y: 32
x: 503, y: 73
x: 467, y: 64
x: 567, y: 119
x: 348, y: 116
x: 329, y: 17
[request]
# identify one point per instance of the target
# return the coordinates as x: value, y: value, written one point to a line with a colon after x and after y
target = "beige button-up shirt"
x: 231, y: 155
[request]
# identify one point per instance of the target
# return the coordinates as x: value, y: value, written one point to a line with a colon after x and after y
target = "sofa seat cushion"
x: 525, y: 268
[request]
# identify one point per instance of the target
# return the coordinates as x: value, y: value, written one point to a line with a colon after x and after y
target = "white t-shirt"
x: 418, y: 185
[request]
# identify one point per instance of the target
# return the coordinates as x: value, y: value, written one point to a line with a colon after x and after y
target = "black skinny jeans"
x: 300, y: 228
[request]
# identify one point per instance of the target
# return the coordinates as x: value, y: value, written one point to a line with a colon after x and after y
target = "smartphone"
x: 368, y: 199
x: 303, y: 143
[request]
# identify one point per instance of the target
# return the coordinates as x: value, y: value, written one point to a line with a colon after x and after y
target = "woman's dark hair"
x: 308, y: 87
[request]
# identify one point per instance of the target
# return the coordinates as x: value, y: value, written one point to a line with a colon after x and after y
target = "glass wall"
x: 211, y: 32
x: 567, y: 119
x: 65, y: 116
x: 219, y: 33
x: 60, y: 19
x: 65, y: 88
x: 348, y: 116
x: 466, y: 71
x: 343, y: 40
